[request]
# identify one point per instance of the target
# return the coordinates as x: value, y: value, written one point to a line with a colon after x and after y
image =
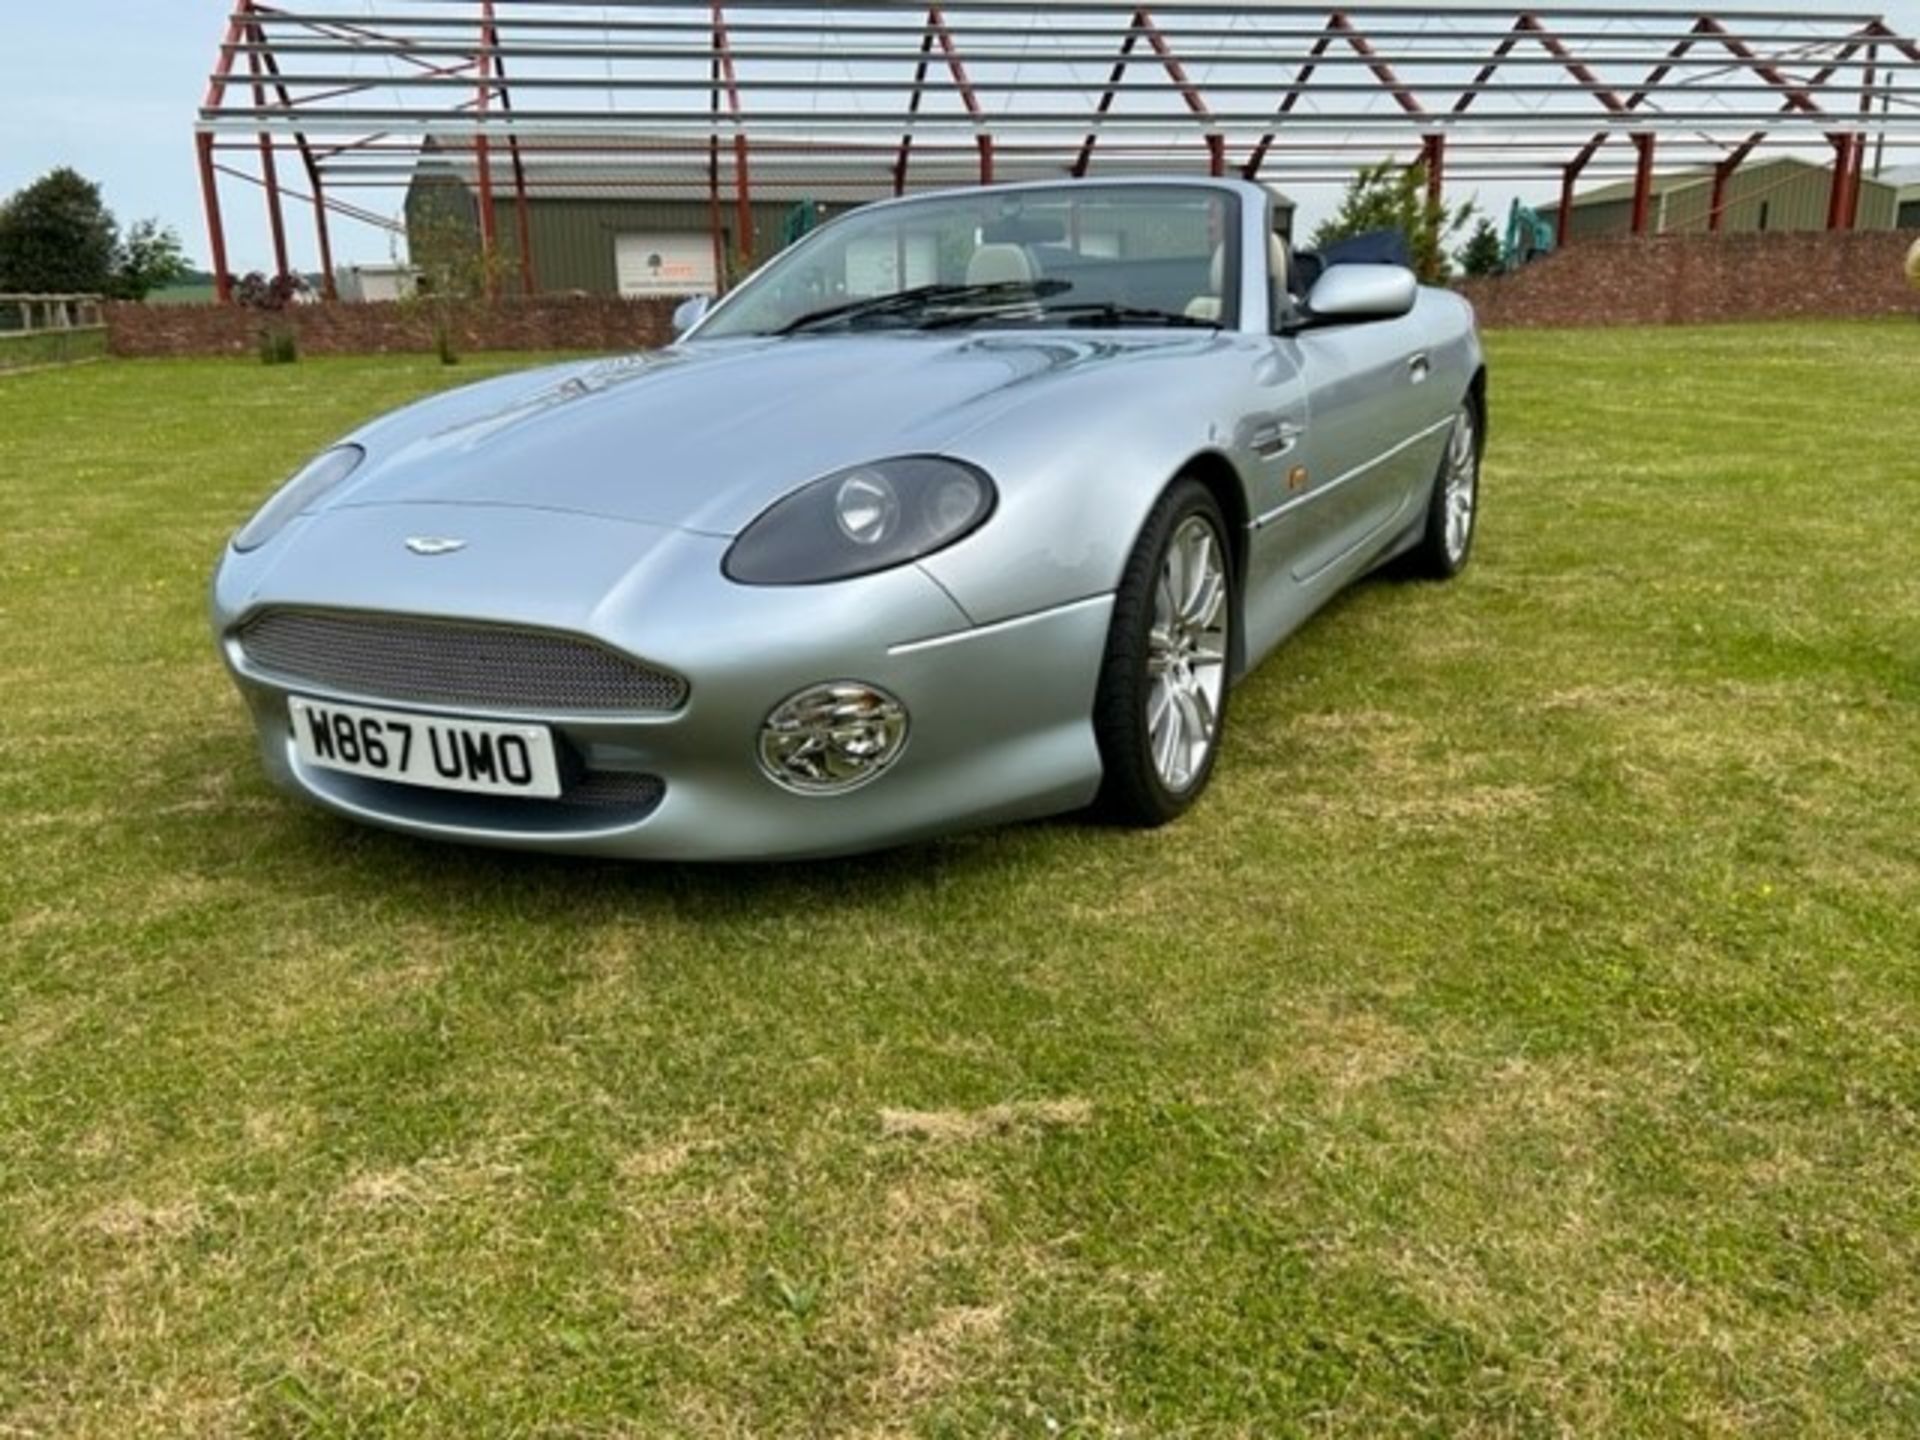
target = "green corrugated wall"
x: 1777, y: 196
x: 573, y: 239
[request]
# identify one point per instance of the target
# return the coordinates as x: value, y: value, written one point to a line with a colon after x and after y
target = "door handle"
x: 1276, y: 438
x: 1419, y: 368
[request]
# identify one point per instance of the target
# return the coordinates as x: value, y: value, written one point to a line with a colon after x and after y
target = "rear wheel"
x: 1447, y: 542
x: 1162, y: 701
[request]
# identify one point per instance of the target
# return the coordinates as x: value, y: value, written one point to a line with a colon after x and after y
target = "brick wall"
x: 1660, y: 280
x: 1700, y: 279
x: 545, y: 323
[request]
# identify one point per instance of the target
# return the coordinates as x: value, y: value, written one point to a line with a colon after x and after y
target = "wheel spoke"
x: 1202, y: 710
x: 1169, y: 741
x: 1158, y: 704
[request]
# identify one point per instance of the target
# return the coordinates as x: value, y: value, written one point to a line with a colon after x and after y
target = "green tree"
x: 1394, y: 197
x: 58, y: 237
x: 1482, y: 254
x: 147, y: 260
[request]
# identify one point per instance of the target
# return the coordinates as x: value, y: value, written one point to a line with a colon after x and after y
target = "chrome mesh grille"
x: 454, y: 662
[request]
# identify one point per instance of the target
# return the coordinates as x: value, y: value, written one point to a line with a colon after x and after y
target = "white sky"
x: 110, y: 87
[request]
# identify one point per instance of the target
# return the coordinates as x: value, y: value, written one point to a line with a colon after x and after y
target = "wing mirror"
x: 689, y: 313
x: 1350, y: 293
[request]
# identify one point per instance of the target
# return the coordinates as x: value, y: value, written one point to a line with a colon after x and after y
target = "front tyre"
x: 1162, y: 699
x: 1446, y: 544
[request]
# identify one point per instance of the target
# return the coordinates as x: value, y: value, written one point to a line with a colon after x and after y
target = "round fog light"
x: 832, y: 738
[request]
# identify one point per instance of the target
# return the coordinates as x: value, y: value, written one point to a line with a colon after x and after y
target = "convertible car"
x: 967, y: 508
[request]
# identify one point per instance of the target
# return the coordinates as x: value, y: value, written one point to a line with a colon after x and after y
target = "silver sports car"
x: 969, y: 507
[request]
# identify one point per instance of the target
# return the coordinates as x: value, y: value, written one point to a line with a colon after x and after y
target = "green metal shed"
x: 1784, y: 193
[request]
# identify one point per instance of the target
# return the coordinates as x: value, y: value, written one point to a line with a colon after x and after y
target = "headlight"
x: 870, y: 518
x: 314, y: 479
x: 830, y: 738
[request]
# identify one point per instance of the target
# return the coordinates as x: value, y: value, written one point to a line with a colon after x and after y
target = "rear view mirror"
x: 1348, y: 293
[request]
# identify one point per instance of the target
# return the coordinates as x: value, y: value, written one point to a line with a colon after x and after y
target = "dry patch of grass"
x: 960, y: 1126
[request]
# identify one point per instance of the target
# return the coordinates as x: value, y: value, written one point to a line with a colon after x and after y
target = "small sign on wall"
x: 664, y: 264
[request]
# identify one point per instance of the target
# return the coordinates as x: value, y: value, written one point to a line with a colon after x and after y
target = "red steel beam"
x: 1557, y: 48
x: 1487, y: 72
x: 1642, y: 182
x: 1196, y: 102
x: 956, y: 67
x: 1382, y: 71
x: 1856, y: 181
x: 1571, y: 172
x: 1105, y: 103
x: 483, y: 153
x: 209, y: 182
x: 321, y: 230
x: 1563, y: 226
x: 522, y: 211
x: 913, y: 110
x: 1291, y: 99
x: 742, y: 181
x: 1797, y: 96
x: 1842, y: 172
x: 1724, y: 171
x: 216, y: 227
x: 715, y: 226
x: 270, y: 174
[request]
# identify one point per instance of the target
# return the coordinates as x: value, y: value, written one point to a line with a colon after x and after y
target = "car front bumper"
x: 999, y: 716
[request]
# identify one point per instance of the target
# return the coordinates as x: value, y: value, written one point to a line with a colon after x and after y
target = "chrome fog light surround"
x: 832, y: 738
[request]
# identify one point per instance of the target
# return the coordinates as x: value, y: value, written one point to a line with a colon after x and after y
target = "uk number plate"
x: 476, y: 756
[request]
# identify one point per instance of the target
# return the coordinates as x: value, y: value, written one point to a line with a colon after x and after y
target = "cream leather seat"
x: 1213, y: 305
x: 1000, y: 265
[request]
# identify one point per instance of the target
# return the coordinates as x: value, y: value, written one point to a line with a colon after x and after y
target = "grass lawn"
x: 1523, y: 1039
x: 51, y: 347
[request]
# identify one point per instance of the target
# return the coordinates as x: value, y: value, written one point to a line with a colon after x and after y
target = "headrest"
x: 999, y: 265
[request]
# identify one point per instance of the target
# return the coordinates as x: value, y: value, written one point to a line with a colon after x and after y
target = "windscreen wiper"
x: 924, y: 297
x: 1106, y: 312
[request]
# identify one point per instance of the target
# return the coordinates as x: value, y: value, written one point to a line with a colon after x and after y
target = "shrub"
x: 279, y: 345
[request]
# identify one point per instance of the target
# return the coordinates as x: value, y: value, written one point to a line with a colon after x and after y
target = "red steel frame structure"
x: 1264, y: 89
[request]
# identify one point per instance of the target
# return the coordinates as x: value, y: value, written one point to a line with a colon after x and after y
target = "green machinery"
x: 1529, y: 236
x: 802, y: 218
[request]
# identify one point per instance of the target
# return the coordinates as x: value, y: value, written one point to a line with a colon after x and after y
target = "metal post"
x: 1105, y: 103
x: 483, y: 154
x: 328, y: 287
x: 1436, y: 163
x: 742, y: 181
x: 270, y: 174
x: 523, y: 220
x: 216, y: 226
x: 715, y: 229
x: 322, y: 231
x: 1717, y: 205
x: 1837, y: 192
x: 1563, y: 230
x: 913, y: 110
x: 1642, y: 182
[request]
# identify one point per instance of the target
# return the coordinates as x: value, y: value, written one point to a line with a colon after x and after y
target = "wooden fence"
x: 50, y: 330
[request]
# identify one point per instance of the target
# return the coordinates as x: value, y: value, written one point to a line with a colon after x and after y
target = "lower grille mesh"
x: 454, y: 662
